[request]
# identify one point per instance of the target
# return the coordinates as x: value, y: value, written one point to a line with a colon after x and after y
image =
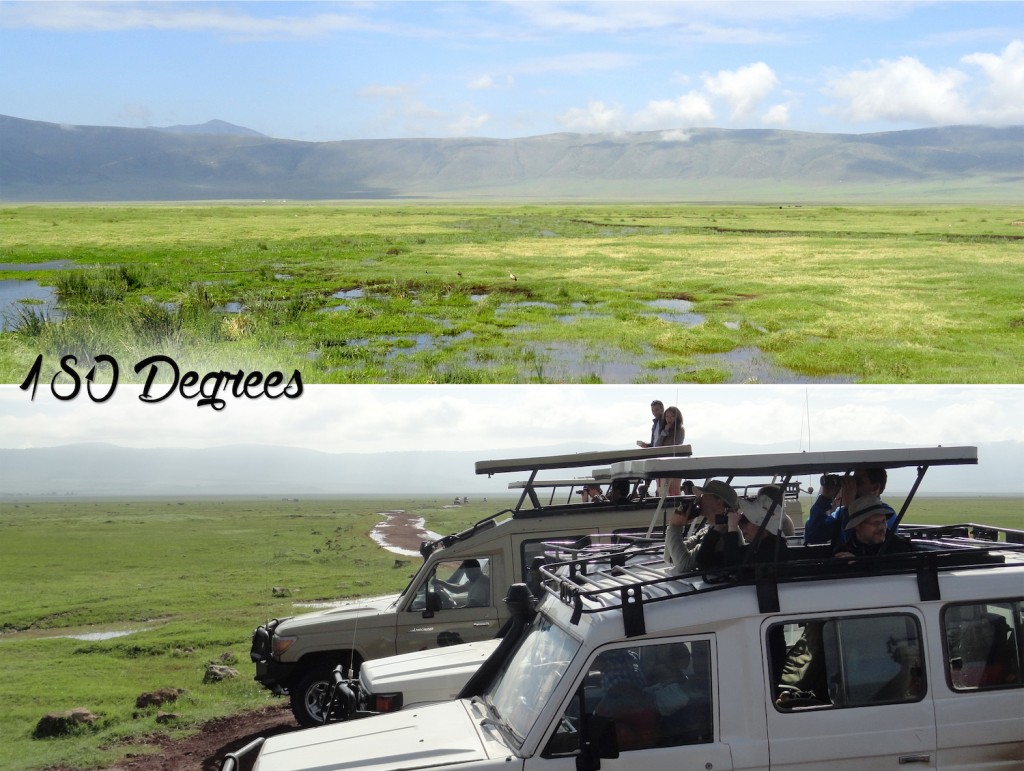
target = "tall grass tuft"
x: 27, y: 320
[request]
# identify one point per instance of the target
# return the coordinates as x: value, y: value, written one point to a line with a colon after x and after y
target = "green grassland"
x: 194, y: 577
x: 424, y: 293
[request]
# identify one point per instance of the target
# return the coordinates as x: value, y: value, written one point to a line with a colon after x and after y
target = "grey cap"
x: 719, y: 489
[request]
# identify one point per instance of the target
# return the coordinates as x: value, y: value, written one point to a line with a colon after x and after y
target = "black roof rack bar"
x: 910, y: 496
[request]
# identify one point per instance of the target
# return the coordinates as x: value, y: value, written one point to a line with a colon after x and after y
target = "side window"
x: 656, y: 695
x: 983, y: 645
x: 846, y: 662
x: 464, y: 583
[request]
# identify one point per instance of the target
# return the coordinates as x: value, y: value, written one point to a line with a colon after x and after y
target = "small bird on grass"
x: 513, y: 276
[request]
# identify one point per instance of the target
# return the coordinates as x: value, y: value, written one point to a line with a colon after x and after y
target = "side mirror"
x: 599, y: 741
x: 433, y: 604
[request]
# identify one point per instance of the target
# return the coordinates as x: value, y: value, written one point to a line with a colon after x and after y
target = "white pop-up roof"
x: 579, y: 459
x: 793, y: 463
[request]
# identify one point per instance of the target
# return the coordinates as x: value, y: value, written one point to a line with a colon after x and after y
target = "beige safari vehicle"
x: 441, y: 605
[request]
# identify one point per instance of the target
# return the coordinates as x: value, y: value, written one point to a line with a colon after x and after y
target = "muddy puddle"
x: 17, y: 294
x: 402, y: 533
x: 752, y: 365
x: 85, y: 633
x: 676, y: 311
x: 21, y: 267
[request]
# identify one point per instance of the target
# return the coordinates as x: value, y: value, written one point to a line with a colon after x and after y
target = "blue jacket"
x: 828, y: 525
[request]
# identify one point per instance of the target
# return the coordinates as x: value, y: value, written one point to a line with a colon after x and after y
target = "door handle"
x: 915, y: 759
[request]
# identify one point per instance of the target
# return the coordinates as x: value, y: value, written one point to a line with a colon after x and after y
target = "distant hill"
x: 52, y: 162
x: 105, y: 469
x: 217, y: 127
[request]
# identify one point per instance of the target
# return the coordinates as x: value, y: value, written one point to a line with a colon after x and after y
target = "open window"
x: 854, y: 661
x: 459, y: 583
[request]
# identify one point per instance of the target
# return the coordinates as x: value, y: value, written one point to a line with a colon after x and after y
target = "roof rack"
x: 629, y: 579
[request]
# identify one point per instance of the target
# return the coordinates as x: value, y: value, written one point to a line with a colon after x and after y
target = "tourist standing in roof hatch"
x: 658, y: 411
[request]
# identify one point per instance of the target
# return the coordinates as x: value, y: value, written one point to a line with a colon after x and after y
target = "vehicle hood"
x: 364, y: 608
x: 436, y: 736
x: 432, y: 675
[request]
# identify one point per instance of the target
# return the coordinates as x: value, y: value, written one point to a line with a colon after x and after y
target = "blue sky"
x: 321, y: 71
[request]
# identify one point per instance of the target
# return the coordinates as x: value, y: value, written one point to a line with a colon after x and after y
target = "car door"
x: 848, y: 692
x: 448, y: 610
x: 661, y: 697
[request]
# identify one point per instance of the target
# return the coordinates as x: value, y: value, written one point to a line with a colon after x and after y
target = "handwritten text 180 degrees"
x: 206, y: 389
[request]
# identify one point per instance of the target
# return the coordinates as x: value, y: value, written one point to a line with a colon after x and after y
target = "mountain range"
x: 218, y: 161
x: 104, y: 469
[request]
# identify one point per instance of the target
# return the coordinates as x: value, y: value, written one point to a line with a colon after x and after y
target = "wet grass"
x: 425, y: 293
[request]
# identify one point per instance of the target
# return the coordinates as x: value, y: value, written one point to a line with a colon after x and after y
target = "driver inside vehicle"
x: 471, y: 588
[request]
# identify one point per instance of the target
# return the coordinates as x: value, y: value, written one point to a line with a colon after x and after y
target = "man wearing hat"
x: 743, y: 537
x: 869, y: 533
x: 722, y: 544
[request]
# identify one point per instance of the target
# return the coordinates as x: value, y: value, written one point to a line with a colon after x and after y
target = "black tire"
x: 305, y: 692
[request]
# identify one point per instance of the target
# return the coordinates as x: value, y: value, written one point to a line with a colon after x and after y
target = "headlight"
x: 281, y: 644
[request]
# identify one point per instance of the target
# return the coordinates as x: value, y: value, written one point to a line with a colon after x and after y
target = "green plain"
x: 425, y: 293
x: 194, y: 577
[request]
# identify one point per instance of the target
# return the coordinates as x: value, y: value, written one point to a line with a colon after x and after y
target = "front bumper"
x: 270, y: 673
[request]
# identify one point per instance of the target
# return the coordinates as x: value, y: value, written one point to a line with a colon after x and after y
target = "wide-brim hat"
x: 719, y: 489
x: 755, y: 510
x: 864, y: 508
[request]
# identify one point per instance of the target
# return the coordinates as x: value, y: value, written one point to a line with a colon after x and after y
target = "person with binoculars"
x: 829, y: 515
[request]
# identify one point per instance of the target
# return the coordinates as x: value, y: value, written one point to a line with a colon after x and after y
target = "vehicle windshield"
x: 529, y: 679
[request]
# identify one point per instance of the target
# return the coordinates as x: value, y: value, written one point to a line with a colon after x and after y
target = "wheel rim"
x: 315, y: 694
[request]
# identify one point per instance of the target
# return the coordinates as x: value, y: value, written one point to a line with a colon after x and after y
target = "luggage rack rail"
x: 627, y: 578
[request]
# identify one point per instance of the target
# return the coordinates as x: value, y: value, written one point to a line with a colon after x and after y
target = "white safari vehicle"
x: 910, y: 659
x: 296, y: 655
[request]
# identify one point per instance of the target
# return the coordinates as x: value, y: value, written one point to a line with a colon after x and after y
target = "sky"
x: 504, y: 421
x: 322, y: 71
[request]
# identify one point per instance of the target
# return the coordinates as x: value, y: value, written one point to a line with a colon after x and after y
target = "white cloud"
x: 902, y: 90
x: 1002, y: 101
x: 597, y: 116
x: 692, y: 109
x: 467, y: 124
x: 675, y: 135
x: 488, y: 83
x: 777, y: 115
x: 743, y: 89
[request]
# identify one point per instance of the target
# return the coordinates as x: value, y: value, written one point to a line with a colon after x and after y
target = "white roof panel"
x: 574, y: 460
x: 793, y: 463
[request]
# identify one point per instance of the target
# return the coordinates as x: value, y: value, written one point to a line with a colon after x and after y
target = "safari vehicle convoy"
x: 909, y: 658
x: 456, y: 595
